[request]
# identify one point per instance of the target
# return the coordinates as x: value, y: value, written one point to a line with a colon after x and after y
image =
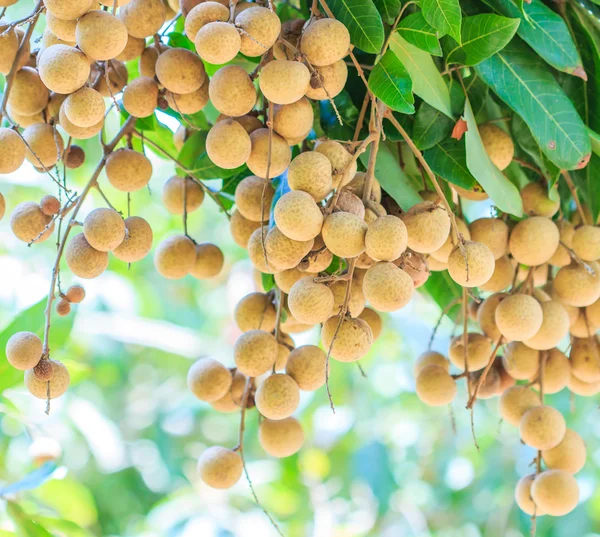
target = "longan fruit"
x: 143, y: 18
x: 502, y: 277
x: 284, y: 81
x: 562, y: 257
x: 147, y: 62
x: 523, y: 496
x: 140, y: 97
x: 435, y: 386
x: 253, y: 197
x: 68, y: 9
x: 63, y: 69
x: 284, y: 253
x: 344, y: 234
x: 49, y: 39
x: 293, y: 120
x: 472, y: 265
x: 138, y: 240
x: 258, y: 162
x: 569, y: 455
x: 310, y: 302
x: 536, y: 201
x: 202, y: 14
x: 387, y: 287
x: 292, y: 326
x: 555, y: 326
x: 176, y: 189
x: 582, y: 328
x: 55, y: 387
x: 12, y: 151
x: 350, y: 203
x: 585, y: 359
x: 506, y: 381
x: 298, y: 216
x: 329, y: 82
x: 356, y: 301
x: 228, y: 144
x: 104, y: 229
x: 444, y: 252
x: 9, y: 44
x: 255, y: 352
x: 24, y: 350
x: 428, y: 227
x: 117, y: 79
x: 373, y: 319
x: 128, y: 170
x: 325, y: 41
x: 189, y: 103
x: 83, y: 260
x: 281, y: 438
x: 556, y: 492
x: 209, y: 261
x: 2, y: 206
x: 180, y: 70
x: 208, y: 380
x: 241, y: 228
x: 490, y: 386
x: 277, y: 397
x: 260, y: 29
x: 63, y: 308
x: 573, y: 285
x: 342, y: 165
x: 497, y: 144
x: 542, y: 427
x: 248, y: 121
x: 255, y: 312
x: 231, y: 91
x: 25, y: 121
x: 75, y: 294
x: 519, y: 317
x: 133, y: 49
x: 479, y: 350
x: 311, y: 172
x: 316, y: 261
x: 430, y: 358
x: 586, y: 243
x: 232, y: 400
x: 287, y: 278
x: 357, y: 185
x: 284, y: 346
x: 515, y: 402
x: 219, y: 467
x: 306, y: 365
x: 257, y: 251
x: 520, y: 361
x: 386, y: 238
x: 28, y: 94
x: 534, y: 240
x: 592, y: 313
x: 585, y: 389
x: 49, y: 205
x: 353, y: 339
x: 29, y: 223
x: 76, y: 132
x: 85, y: 107
x: 218, y: 42
x: 492, y: 232
x: 174, y: 257
x: 100, y: 35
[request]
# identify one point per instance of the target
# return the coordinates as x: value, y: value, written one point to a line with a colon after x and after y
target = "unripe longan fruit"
x: 310, y: 302
x: 258, y: 161
x: 241, y: 228
x: 83, y: 260
x: 75, y: 294
x: 128, y: 170
x: 219, y: 467
x: 143, y: 18
x: 284, y: 253
x: 209, y: 261
x: 133, y: 49
x: 430, y: 358
x: 556, y: 492
x: 555, y: 326
x: 479, y: 350
x: 277, y: 397
x: 208, y: 379
x: 573, y: 285
x: 523, y: 496
x: 12, y: 151
x: 218, y: 42
x: 68, y: 10
x: 435, y: 386
x: 298, y: 216
x: 562, y: 257
x: 534, y: 240
x: 353, y: 340
x: 189, y: 103
x: 306, y: 365
x: 343, y: 168
x: 585, y: 359
x: 24, y: 350
x: 471, y: 266
x: 255, y: 352
x: 176, y: 189
x: 497, y: 144
x: 325, y: 41
x: 29, y: 223
x: 180, y: 70
x: 138, y: 240
x: 231, y: 91
x: 28, y: 94
x: 253, y: 197
x: 356, y: 302
x: 104, y: 229
x: 519, y: 317
x: 492, y: 232
x: 344, y: 234
x: 428, y: 226
x: 386, y: 238
x: 387, y: 287
x: 536, y: 201
x: 284, y: 81
x: 542, y: 427
x: 140, y: 97
x: 586, y: 243
x: 293, y: 120
x: 202, y: 14
x: 281, y: 438
x: 174, y: 257
x: 85, y: 107
x: 515, y: 402
x: 260, y: 29
x: 568, y: 456
x: 520, y: 361
x: 228, y: 144
x: 255, y: 312
x: 329, y: 82
x: 311, y: 172
x: 59, y: 382
x: 100, y: 35
x: 63, y: 69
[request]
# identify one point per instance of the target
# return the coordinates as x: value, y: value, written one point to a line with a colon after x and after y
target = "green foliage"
x: 443, y: 15
x: 449, y: 161
x: 388, y: 9
x: 430, y: 127
x: 418, y: 32
x: 390, y: 82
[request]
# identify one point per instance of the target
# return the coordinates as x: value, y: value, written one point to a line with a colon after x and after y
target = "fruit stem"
x: 483, y: 376
x: 573, y: 190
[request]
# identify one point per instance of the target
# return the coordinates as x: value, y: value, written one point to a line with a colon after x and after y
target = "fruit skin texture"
x: 208, y: 380
x: 218, y: 42
x: 515, y: 402
x: 344, y: 234
x: 175, y: 257
x: 353, y: 339
x: 536, y: 201
x: 479, y: 349
x: 492, y: 232
x: 277, y: 397
x: 557, y: 372
x: 502, y: 277
x: 523, y: 496
x: 104, y: 229
x: 519, y: 317
x: 561, y: 257
x: 232, y: 400
x: 428, y: 226
x: 498, y: 145
x: 68, y: 10
x: 228, y: 144
x: 284, y: 81
x: 83, y: 260
x: 12, y: 152
x: 257, y: 251
x: 24, y: 350
x: 220, y: 468
x: 173, y: 195
x: 189, y: 103
x: 284, y: 253
x: 387, y: 287
x: 306, y: 365
x: 100, y: 35
x: 140, y: 97
x: 255, y: 352
x: 298, y: 216
x: 180, y: 70
x: 534, y: 240
x: 556, y: 492
x: 281, y: 438
x: 59, y: 382
x: 430, y: 358
x: 138, y: 240
x: 473, y: 267
x: 542, y: 427
x: 520, y: 361
x: 555, y: 326
x: 356, y: 302
x: 586, y: 243
x: 46, y: 145
x: 209, y: 261
x: 29, y: 95
x: 386, y: 238
x: 311, y: 172
x: 63, y: 69
x: 231, y: 91
x: 128, y: 170
x: 258, y: 161
x: 585, y: 359
x: 241, y: 228
x: 203, y: 14
x: 575, y: 286
x: 249, y: 196
x: 435, y: 386
x: 325, y: 42
x: 293, y: 120
x: 568, y: 456
x: 333, y: 79
x: 344, y: 170
x: 143, y: 18
x: 260, y: 29
x: 28, y: 223
x: 373, y: 319
x: 255, y: 312
x: 310, y: 302
x: 85, y: 107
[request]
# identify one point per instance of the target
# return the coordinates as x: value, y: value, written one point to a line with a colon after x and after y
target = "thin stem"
x: 484, y: 375
x: 573, y: 190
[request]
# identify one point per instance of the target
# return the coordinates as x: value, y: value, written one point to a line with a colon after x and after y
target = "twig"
x: 445, y: 311
x: 263, y: 196
x: 573, y: 190
x: 525, y: 164
x: 483, y: 376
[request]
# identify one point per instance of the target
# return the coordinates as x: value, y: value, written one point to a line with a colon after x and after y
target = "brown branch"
x: 483, y: 376
x: 573, y: 190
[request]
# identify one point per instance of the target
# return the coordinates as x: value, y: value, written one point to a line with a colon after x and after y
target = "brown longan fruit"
x: 255, y: 352
x: 306, y: 365
x: 232, y: 400
x: 498, y: 145
x: 204, y: 13
x: 68, y: 10
x: 128, y: 170
x: 175, y: 256
x: 143, y: 18
x: 29, y: 223
x: 133, y: 49
x: 277, y: 397
x: 316, y: 261
x: 260, y: 29
x: 75, y: 294
x: 219, y: 467
x: 117, y: 78
x: 435, y: 386
x: 344, y: 234
x: 189, y: 103
x: 569, y: 455
x: 44, y: 145
x: 356, y: 301
x: 85, y: 107
x: 258, y: 161
x: 281, y: 438
x: 523, y: 496
x: 284, y: 253
x: 492, y: 232
x: 24, y: 350
x: 329, y: 82
x: 180, y: 70
x: 63, y: 69
x: 472, y: 265
x: 147, y: 62
x: 325, y: 41
x: 209, y: 261
x: 241, y: 228
x: 287, y: 278
x: 138, y: 240
x: 257, y: 251
x: 536, y: 201
x: 542, y: 427
x: 298, y: 216
x: 502, y: 277
x: 386, y: 238
x: 534, y: 240
x: 12, y: 151
x: 373, y: 319
x: 173, y: 195
x: 353, y: 339
x: 562, y: 257
x: 76, y: 132
x: 479, y: 350
x: 585, y: 359
x: 55, y: 387
x: 49, y: 205
x: 253, y: 197
x: 556, y: 492
x: 387, y: 287
x: 83, y: 260
x: 555, y: 326
x: 342, y: 165
x: 520, y: 361
x: 100, y: 35
x: 28, y: 94
x: 430, y: 358
x: 63, y: 308
x: 228, y: 144
x: 218, y: 42
x: 311, y: 172
x: 556, y: 373
x: 231, y: 91
x: 350, y: 203
x: 443, y: 253
x: 104, y: 229
x: 515, y: 402
x: 519, y: 317
x: 573, y: 285
x: 43, y: 370
x: 9, y: 44
x: 293, y: 120
x: 255, y: 312
x: 140, y: 97
x: 310, y: 302
x: 208, y: 380
x: 284, y: 81
x: 428, y: 227
x: 586, y: 243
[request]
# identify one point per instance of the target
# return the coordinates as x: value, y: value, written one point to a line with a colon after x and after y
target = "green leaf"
x: 391, y: 83
x: 525, y: 84
x: 443, y: 15
x: 588, y: 185
x: 482, y: 36
x: 193, y: 147
x: 595, y: 141
x: 204, y: 168
x: 449, y: 161
x: 502, y: 192
x: 268, y: 281
x: 161, y: 135
x: 179, y: 40
x: 430, y: 127
x: 363, y: 22
x: 329, y: 120
x: 26, y: 527
x: 391, y: 177
x: 31, y: 481
x: 388, y: 9
x: 418, y: 32
x: 427, y: 80
x: 443, y: 290
x: 68, y: 528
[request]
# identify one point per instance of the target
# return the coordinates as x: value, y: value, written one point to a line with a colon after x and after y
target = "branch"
x: 573, y: 190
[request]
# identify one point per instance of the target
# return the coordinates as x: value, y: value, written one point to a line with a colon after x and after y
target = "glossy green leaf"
x: 193, y: 147
x: 595, y: 141
x: 449, y: 161
x: 443, y: 15
x: 179, y: 40
x: 363, y: 22
x: 391, y: 83
x: 430, y: 127
x: 418, y: 32
x: 482, y: 36
x: 388, y: 9
x: 268, y: 281
x: 588, y: 185
x: 525, y: 84
x: 427, y: 80
x: 502, y: 192
x: 443, y: 290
